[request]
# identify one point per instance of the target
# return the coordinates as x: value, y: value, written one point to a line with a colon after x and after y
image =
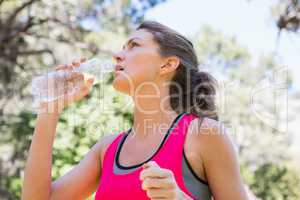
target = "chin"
x: 121, y: 86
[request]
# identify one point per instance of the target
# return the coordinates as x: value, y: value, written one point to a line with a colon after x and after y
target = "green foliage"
x: 36, y: 34
x: 56, y: 32
x: 274, y: 182
x: 16, y: 136
x: 104, y: 112
x: 217, y: 50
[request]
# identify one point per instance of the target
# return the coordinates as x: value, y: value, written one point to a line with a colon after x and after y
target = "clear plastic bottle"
x: 51, y: 86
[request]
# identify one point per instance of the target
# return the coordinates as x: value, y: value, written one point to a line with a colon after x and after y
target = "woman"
x: 191, y: 157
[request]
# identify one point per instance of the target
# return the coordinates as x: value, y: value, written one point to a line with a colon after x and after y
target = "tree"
x: 287, y: 15
x: 35, y: 35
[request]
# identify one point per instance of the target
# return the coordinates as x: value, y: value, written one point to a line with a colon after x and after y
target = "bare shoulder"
x: 219, y: 157
x: 204, y: 127
x: 104, y: 142
x: 210, y: 135
x: 207, y: 126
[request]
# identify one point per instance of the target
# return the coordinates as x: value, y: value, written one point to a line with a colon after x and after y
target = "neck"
x: 152, y: 112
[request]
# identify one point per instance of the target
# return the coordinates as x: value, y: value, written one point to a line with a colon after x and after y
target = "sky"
x: 249, y: 21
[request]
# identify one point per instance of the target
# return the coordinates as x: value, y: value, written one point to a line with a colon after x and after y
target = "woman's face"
x: 138, y: 63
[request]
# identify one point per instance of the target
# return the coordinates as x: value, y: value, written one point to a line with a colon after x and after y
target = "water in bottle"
x: 53, y: 85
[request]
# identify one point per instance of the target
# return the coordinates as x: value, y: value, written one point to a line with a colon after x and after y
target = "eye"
x: 133, y: 44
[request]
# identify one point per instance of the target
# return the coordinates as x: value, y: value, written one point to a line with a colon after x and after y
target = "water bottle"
x: 51, y: 86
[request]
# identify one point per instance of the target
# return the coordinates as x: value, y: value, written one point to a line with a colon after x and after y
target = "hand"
x: 74, y: 78
x: 160, y: 183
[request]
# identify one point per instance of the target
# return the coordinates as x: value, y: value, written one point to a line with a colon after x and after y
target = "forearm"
x: 37, y: 177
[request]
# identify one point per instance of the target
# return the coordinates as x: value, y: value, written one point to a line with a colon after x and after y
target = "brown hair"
x: 198, y: 88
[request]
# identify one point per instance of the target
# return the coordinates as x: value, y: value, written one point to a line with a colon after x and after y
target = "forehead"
x: 143, y: 35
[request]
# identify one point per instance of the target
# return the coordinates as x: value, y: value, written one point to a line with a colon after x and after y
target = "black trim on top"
x: 160, y: 146
x: 192, y: 171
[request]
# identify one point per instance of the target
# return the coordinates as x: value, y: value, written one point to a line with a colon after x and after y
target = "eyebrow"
x: 129, y: 41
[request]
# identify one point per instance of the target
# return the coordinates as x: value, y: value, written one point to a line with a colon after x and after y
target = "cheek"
x: 144, y: 66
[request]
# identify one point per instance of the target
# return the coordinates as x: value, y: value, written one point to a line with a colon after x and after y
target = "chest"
x: 133, y: 154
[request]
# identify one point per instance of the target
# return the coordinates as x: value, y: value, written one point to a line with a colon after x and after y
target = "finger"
x: 150, y: 163
x: 77, y: 95
x: 74, y: 80
x: 76, y: 63
x: 75, y: 84
x: 155, y: 172
x: 90, y: 83
x: 86, y: 88
x: 83, y: 89
x: 74, y: 76
x: 158, y: 183
x: 70, y: 67
x: 60, y: 67
x: 67, y: 67
x: 158, y: 193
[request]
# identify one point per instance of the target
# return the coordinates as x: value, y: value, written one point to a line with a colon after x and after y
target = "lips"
x: 119, y: 68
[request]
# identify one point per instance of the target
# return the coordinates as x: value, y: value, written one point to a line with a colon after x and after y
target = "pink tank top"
x: 128, y: 186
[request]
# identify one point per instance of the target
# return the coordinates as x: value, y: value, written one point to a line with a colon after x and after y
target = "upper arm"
x: 83, y: 179
x: 220, y: 162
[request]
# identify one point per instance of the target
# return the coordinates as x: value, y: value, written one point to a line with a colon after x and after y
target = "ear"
x: 170, y: 65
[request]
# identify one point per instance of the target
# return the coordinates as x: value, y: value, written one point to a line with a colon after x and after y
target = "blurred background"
x: 252, y: 47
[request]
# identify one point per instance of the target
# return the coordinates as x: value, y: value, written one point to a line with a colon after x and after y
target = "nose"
x: 118, y: 56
